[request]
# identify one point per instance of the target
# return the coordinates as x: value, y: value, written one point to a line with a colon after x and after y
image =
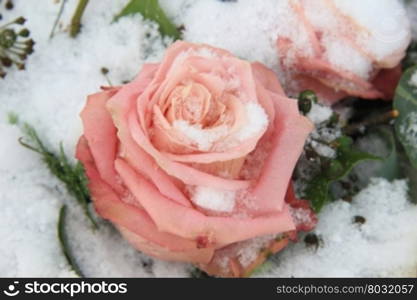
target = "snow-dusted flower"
x: 345, y: 47
x: 194, y: 157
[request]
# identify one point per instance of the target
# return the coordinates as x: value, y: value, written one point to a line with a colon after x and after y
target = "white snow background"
x: 50, y: 94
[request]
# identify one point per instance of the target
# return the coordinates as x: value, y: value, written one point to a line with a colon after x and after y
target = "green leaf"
x: 63, y: 240
x: 405, y: 101
x: 317, y: 191
x: 73, y: 176
x: 151, y: 10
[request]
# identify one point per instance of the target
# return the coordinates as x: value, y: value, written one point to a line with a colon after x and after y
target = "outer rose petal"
x: 102, y: 139
x: 234, y: 269
x: 290, y: 132
x: 135, y: 223
x: 202, y: 255
x: 191, y: 224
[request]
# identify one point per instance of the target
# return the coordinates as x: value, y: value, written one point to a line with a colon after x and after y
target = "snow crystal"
x: 214, y: 199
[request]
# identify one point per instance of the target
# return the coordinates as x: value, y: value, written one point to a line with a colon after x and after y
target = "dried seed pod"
x: 14, y: 45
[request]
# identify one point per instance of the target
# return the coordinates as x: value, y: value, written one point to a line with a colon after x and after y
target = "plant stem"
x: 58, y: 17
x: 76, y: 18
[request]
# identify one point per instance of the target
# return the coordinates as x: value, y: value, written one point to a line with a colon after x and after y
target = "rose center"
x: 191, y: 103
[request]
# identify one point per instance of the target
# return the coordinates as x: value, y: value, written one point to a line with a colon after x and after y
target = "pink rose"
x: 345, y: 48
x: 195, y: 156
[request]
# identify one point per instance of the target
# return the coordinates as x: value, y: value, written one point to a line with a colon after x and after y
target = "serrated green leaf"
x: 151, y: 10
x: 317, y: 191
x: 63, y: 240
x: 405, y: 101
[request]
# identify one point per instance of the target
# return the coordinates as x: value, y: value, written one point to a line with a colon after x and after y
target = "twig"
x: 380, y: 119
x: 58, y: 17
x: 76, y: 18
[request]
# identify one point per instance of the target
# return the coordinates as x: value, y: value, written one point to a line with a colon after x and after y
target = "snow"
x: 385, y: 245
x: 203, y: 138
x: 319, y: 113
x: 385, y: 22
x: 220, y: 137
x: 383, y: 30
x: 52, y: 91
x: 323, y: 150
x: 256, y: 123
x: 213, y: 199
x: 412, y: 15
x: 249, y: 250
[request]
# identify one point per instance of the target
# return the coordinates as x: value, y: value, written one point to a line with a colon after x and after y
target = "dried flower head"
x: 15, y: 45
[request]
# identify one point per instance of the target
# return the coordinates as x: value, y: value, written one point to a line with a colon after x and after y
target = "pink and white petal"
x: 202, y: 255
x: 191, y: 224
x: 291, y: 131
x: 186, y: 174
x: 225, y: 262
x: 120, y: 105
x: 109, y: 206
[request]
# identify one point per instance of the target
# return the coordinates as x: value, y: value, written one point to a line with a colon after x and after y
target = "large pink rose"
x: 344, y: 48
x: 192, y: 160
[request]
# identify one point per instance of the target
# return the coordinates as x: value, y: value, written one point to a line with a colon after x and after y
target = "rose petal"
x: 102, y: 139
x: 290, y: 132
x: 202, y: 255
x: 234, y: 269
x: 187, y: 174
x: 119, y: 105
x: 135, y: 220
